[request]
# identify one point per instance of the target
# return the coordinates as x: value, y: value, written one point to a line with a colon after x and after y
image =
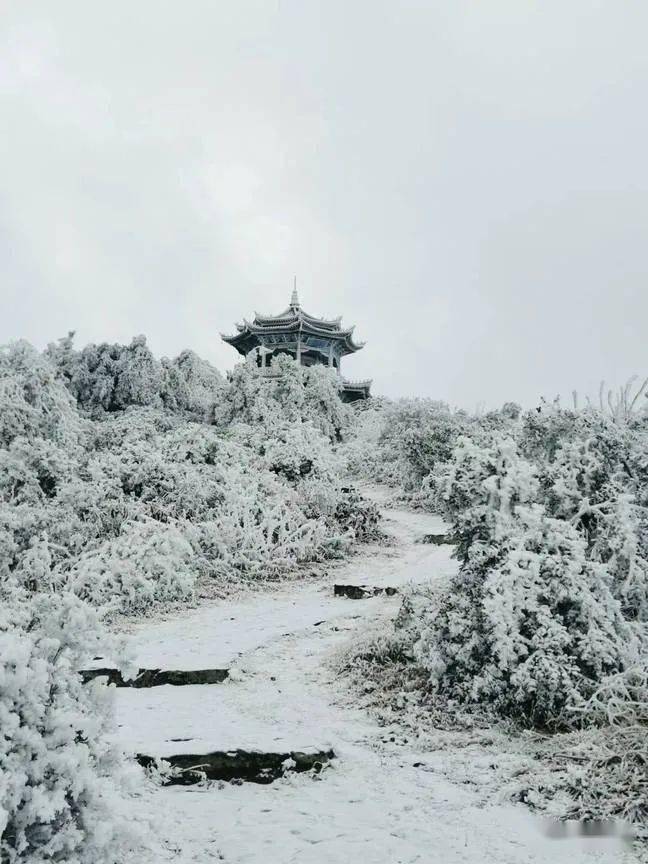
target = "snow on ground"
x: 372, y: 803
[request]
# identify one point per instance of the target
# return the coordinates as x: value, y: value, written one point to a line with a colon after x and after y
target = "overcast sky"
x: 466, y: 182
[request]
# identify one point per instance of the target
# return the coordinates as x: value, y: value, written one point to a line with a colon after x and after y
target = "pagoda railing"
x: 364, y: 383
x: 270, y: 372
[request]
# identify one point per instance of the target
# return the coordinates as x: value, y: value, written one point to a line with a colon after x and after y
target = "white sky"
x: 465, y: 181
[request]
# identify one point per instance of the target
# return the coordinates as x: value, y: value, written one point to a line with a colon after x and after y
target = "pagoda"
x: 307, y: 339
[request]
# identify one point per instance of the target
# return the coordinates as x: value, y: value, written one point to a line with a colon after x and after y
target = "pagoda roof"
x: 292, y: 320
x: 291, y: 313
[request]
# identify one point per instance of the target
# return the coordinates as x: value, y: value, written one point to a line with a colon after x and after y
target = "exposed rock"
x: 251, y: 765
x: 157, y: 677
x: 360, y: 592
x: 437, y: 539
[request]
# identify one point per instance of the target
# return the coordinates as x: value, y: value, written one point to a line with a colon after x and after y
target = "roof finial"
x: 294, y: 300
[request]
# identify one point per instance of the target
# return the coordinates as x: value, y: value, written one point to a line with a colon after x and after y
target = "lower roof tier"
x: 354, y: 391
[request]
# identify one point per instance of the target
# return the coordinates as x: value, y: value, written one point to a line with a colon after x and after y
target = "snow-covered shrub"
x: 61, y: 780
x: 302, y: 456
x: 298, y: 451
x: 271, y: 497
x: 591, y: 472
x: 360, y: 450
x: 148, y: 563
x: 190, y: 384
x: 354, y: 513
x: 529, y: 626
x: 283, y: 394
x: 33, y: 470
x: 480, y: 475
x: 594, y: 474
x: 34, y: 404
x: 134, y: 505
x: 35, y: 571
x: 323, y: 406
x: 609, y: 777
x: 601, y: 504
x: 289, y: 418
x: 426, y: 435
x: 260, y: 530
x: 399, y: 443
x: 114, y: 377
x: 109, y: 377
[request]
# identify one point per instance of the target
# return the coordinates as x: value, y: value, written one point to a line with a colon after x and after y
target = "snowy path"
x: 372, y: 803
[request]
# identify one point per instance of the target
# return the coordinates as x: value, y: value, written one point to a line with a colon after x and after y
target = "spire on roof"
x: 294, y: 300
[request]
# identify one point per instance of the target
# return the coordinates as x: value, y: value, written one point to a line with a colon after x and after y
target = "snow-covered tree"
x: 287, y: 393
x: 34, y: 404
x: 190, y: 384
x: 109, y: 377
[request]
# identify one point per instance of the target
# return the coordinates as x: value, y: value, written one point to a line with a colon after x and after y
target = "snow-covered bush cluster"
x: 400, y: 443
x: 550, y: 598
x: 532, y: 620
x: 127, y: 482
x: 549, y: 513
x: 545, y: 620
x: 288, y: 395
x: 114, y: 377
